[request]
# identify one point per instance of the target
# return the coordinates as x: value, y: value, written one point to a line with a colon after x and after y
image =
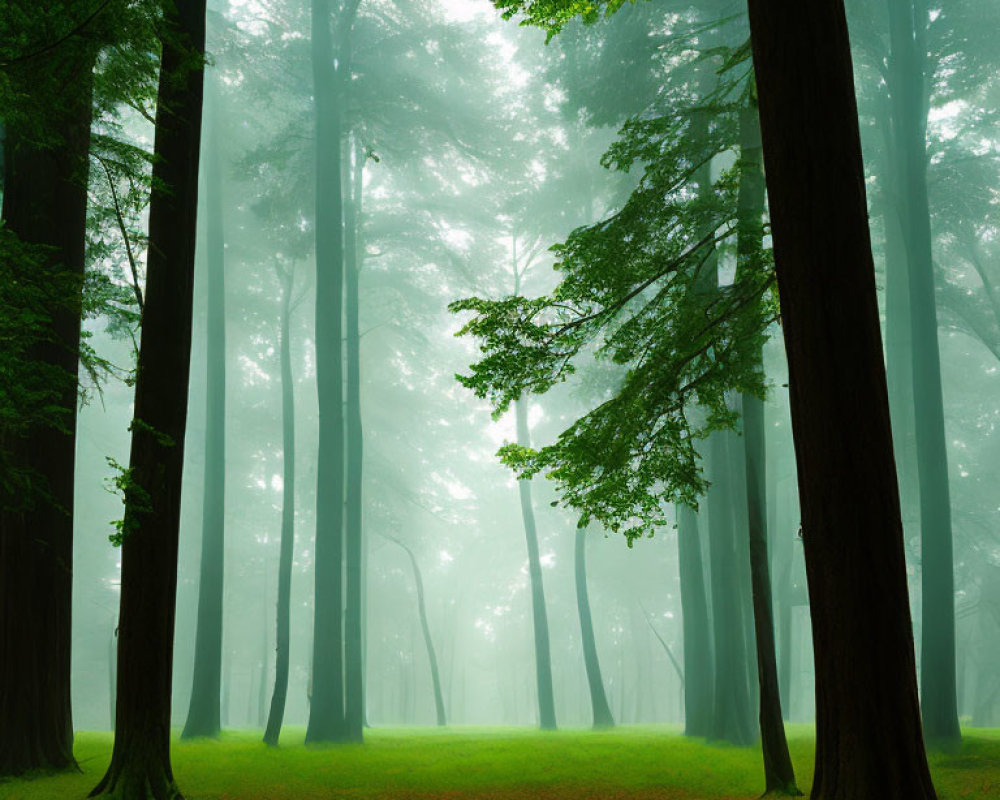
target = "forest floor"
x: 628, y: 763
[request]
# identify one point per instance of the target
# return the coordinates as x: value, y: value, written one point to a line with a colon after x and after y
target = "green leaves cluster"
x: 640, y: 290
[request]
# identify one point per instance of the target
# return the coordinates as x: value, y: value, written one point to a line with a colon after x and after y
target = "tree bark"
x: 598, y: 698
x: 907, y: 23
x: 276, y: 714
x: 354, y: 643
x: 543, y: 656
x: 868, y: 735
x: 327, y: 721
x: 140, y: 763
x: 45, y: 204
x: 779, y: 776
x: 698, y: 667
x: 203, y: 709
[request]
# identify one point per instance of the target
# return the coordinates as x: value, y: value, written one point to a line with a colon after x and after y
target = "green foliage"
x: 134, y: 498
x: 552, y: 15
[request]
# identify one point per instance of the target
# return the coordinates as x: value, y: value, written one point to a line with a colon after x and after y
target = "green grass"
x: 630, y: 763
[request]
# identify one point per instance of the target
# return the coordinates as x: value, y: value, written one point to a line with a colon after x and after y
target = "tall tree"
x: 868, y: 734
x: 327, y: 721
x: 603, y: 718
x: 140, y: 762
x: 276, y: 713
x: 203, y: 711
x: 698, y: 664
x: 46, y: 144
x: 908, y: 21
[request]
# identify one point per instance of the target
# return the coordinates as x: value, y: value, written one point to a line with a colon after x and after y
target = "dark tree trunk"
x: 868, y: 735
x: 543, y: 656
x: 598, y: 697
x: 45, y: 204
x: 731, y: 719
x: 698, y: 668
x: 779, y: 776
x: 140, y: 763
x: 326, y: 711
x: 203, y: 710
x: 354, y: 641
x: 907, y: 24
x: 276, y: 714
x: 426, y: 631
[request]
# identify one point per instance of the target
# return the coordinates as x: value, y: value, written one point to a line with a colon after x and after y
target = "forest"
x: 412, y: 399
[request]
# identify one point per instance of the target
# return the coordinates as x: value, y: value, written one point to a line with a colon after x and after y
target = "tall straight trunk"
x: 698, y: 667
x: 45, y: 204
x: 779, y: 775
x: 907, y: 24
x: 354, y: 640
x: 276, y: 715
x: 326, y: 711
x: 140, y: 763
x: 543, y: 656
x: 868, y: 735
x: 731, y: 719
x: 203, y: 710
x: 425, y: 629
x: 598, y: 698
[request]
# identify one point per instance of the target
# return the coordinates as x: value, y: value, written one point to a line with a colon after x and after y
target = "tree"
x: 140, y: 762
x: 699, y: 683
x: 868, y: 740
x: 603, y: 718
x: 203, y: 712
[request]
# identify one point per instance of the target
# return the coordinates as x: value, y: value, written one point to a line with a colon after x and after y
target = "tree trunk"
x: 140, y: 763
x: 543, y: 657
x: 326, y: 711
x: 203, y: 710
x: 868, y: 737
x: 698, y: 667
x: 598, y: 698
x: 907, y: 23
x: 276, y: 715
x: 45, y: 205
x: 355, y: 690
x: 779, y: 776
x: 731, y: 719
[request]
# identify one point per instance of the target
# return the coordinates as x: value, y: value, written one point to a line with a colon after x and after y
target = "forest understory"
x: 649, y: 762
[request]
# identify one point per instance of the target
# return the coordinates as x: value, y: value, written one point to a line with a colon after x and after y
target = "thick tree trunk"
x: 731, y: 719
x: 276, y: 715
x: 203, y: 710
x: 543, y: 656
x: 598, y: 698
x: 868, y: 735
x: 779, y: 776
x: 698, y: 667
x: 354, y: 642
x: 907, y: 23
x: 45, y: 204
x: 327, y: 721
x: 140, y: 763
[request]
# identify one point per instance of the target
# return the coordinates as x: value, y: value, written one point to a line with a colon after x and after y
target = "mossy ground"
x: 628, y: 763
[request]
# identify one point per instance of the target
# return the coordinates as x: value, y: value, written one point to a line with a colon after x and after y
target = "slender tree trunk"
x: 543, y: 657
x: 203, y: 710
x: 45, y: 205
x: 355, y: 690
x: 326, y: 711
x: 779, y: 776
x: 698, y: 667
x: 907, y: 23
x: 731, y: 721
x: 426, y: 631
x: 868, y: 735
x: 276, y: 715
x: 598, y: 698
x: 140, y: 763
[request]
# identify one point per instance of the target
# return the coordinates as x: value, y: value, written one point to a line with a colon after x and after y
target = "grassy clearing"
x: 631, y: 763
